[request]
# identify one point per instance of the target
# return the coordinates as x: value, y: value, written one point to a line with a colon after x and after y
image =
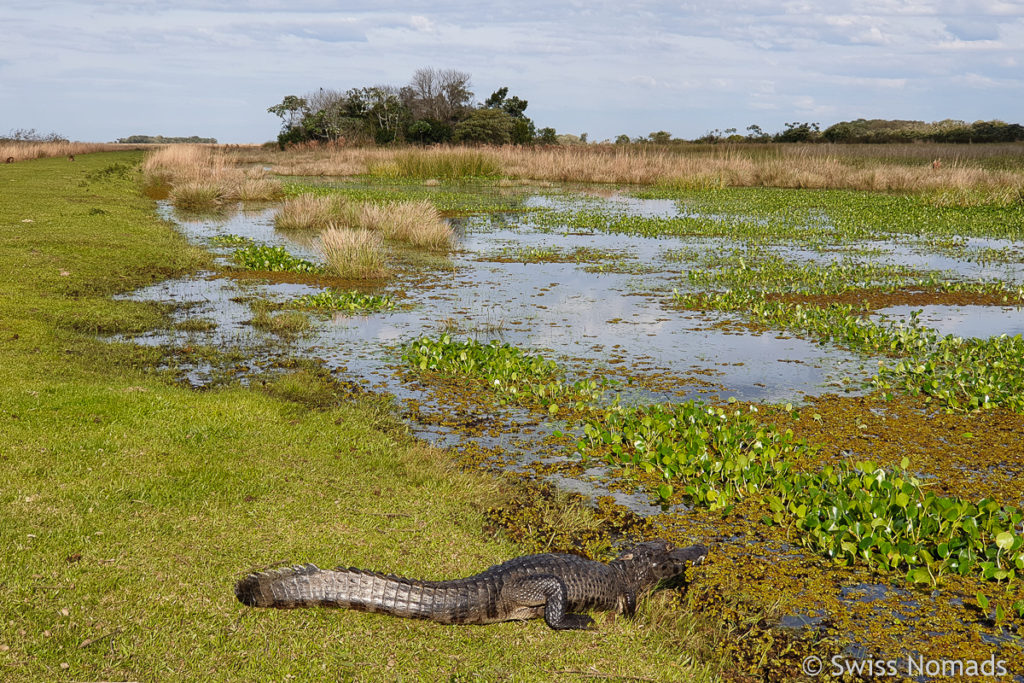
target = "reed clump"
x: 447, y: 163
x: 196, y: 194
x: 353, y: 253
x: 192, y: 166
x: 308, y: 211
x: 416, y: 222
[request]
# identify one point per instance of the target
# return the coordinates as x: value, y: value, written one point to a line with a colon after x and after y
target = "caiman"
x: 554, y: 586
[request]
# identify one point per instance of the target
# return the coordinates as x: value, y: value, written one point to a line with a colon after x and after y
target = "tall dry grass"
x: 416, y: 222
x: 308, y: 212
x: 23, y: 151
x: 892, y: 168
x: 203, y: 175
x: 353, y: 253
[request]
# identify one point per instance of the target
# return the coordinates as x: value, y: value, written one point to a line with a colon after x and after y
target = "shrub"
x: 485, y: 126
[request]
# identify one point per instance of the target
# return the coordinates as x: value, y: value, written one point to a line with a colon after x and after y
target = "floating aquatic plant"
x: 505, y: 369
x: 274, y: 259
x: 850, y: 512
x: 345, y: 301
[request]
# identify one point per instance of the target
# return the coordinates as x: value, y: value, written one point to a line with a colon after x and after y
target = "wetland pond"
x: 596, y: 302
x: 600, y: 303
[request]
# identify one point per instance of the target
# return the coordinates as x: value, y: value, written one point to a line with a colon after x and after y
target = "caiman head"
x: 649, y: 563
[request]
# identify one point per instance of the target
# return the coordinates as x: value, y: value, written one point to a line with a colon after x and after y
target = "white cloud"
x: 602, y: 66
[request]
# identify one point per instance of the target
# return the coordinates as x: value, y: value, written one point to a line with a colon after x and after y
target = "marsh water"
x: 598, y: 303
x: 610, y: 312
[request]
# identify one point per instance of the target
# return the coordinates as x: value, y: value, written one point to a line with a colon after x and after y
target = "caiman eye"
x: 627, y: 556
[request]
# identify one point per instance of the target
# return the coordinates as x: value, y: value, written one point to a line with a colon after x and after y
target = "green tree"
x: 484, y: 126
x: 622, y: 139
x: 385, y: 113
x: 754, y: 133
x: 523, y: 129
x: 799, y: 132
x: 547, y: 136
x: 661, y: 137
x: 513, y: 106
x: 428, y: 132
x: 291, y: 110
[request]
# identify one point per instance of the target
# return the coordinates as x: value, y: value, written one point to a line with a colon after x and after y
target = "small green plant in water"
x: 509, y: 371
x: 853, y: 513
x: 348, y: 302
x: 229, y: 240
x: 274, y: 259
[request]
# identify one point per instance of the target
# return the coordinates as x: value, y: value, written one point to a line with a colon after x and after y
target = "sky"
x: 97, y: 70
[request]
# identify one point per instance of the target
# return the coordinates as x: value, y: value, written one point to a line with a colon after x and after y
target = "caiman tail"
x: 367, y: 591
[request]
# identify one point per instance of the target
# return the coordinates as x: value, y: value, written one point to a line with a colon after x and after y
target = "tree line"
x: 30, y: 135
x: 867, y: 131
x: 161, y: 140
x: 436, y: 106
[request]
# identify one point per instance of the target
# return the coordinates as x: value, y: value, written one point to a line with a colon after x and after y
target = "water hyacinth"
x: 504, y: 369
x: 273, y: 259
x: 345, y: 302
x: 850, y: 512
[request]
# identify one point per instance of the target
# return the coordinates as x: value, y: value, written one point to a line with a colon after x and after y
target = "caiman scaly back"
x: 554, y: 586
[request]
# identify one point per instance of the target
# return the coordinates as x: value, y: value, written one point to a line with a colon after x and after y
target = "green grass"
x: 131, y: 505
x: 455, y: 164
x: 450, y: 198
x: 283, y: 323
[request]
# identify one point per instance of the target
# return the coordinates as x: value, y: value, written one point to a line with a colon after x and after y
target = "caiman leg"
x: 547, y: 592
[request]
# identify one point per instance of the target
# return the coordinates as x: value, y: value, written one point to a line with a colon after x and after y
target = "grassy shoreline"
x: 131, y: 505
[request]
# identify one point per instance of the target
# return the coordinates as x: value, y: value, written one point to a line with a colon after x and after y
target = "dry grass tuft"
x: 192, y: 165
x: 415, y: 222
x: 353, y: 253
x: 256, y: 186
x: 196, y: 195
x: 24, y: 151
x: 308, y: 211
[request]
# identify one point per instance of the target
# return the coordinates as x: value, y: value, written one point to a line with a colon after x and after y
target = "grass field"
x: 131, y: 504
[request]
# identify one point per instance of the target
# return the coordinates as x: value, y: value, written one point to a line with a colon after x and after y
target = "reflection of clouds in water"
x: 964, y: 321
